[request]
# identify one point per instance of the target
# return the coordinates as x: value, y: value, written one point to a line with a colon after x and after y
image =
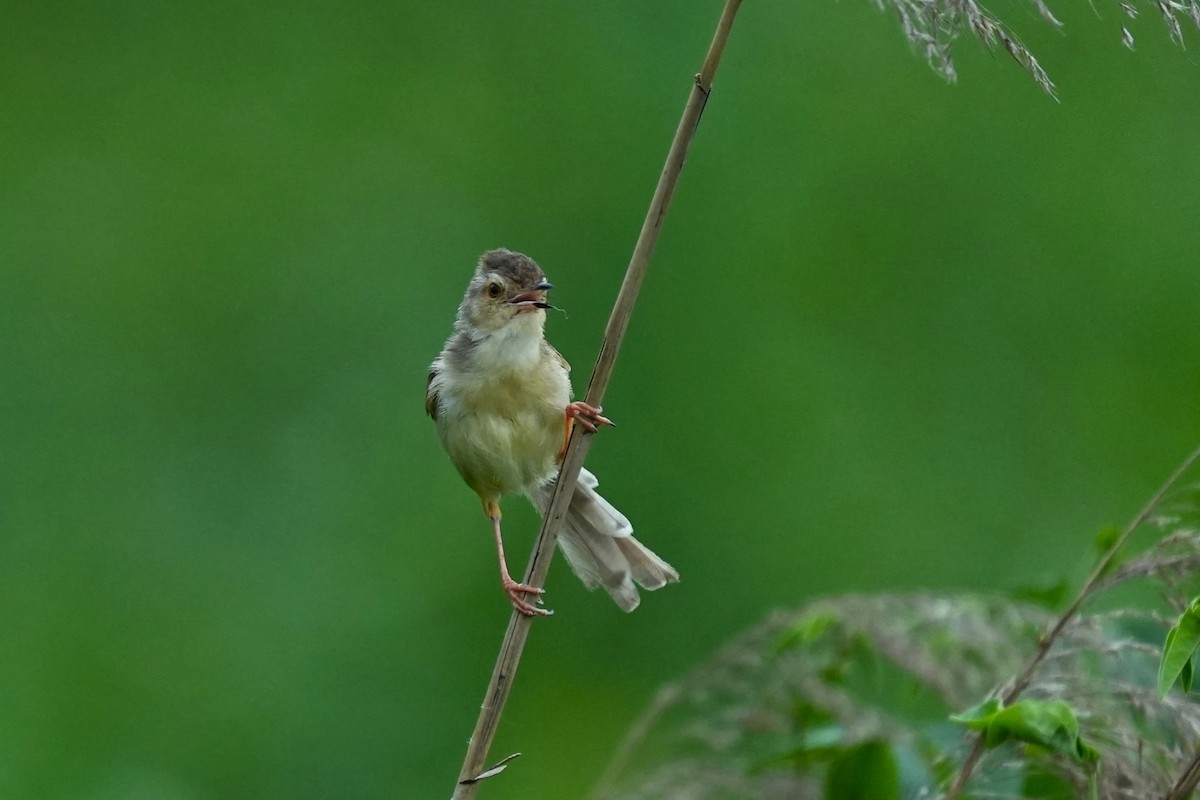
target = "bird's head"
x: 507, y: 288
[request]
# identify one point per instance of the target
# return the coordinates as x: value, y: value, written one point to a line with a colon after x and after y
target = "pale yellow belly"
x: 502, y: 418
x: 503, y: 454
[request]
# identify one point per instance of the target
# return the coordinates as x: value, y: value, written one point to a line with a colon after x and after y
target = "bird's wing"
x: 431, y: 397
x: 557, y: 356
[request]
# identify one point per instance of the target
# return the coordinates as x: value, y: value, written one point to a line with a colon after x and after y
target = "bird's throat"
x: 516, y: 346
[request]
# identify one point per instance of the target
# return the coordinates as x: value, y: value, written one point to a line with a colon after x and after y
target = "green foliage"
x: 1047, y: 784
x: 1050, y: 594
x: 866, y: 771
x: 1051, y: 724
x: 852, y: 698
x: 1048, y: 724
x: 1179, y: 651
x: 1105, y: 541
x: 806, y: 631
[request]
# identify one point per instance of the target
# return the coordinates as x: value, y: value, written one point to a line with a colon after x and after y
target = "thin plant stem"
x: 539, y: 564
x: 1047, y: 639
x: 1187, y: 782
x: 666, y: 697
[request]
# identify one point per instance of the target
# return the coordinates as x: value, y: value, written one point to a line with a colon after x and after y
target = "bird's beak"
x: 532, y: 301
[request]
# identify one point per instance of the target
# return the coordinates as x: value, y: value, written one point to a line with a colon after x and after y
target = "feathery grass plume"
x: 775, y: 708
x: 933, y: 25
x: 853, y: 697
x: 775, y: 712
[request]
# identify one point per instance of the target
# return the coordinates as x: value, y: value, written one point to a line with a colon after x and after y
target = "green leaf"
x: 1045, y: 784
x: 1178, y: 649
x: 1046, y: 723
x: 1047, y: 594
x: 806, y: 631
x: 1039, y: 724
x: 1106, y: 540
x: 867, y: 771
x: 979, y: 716
x: 1108, y: 536
x: 817, y: 744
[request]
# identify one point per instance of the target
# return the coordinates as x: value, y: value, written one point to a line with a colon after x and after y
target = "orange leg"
x: 514, y: 590
x: 566, y: 437
x: 588, y: 416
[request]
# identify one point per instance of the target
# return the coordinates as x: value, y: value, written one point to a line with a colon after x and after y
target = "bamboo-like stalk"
x: 1047, y: 639
x: 1187, y: 782
x: 539, y: 564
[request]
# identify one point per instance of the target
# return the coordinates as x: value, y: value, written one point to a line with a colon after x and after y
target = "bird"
x: 500, y: 396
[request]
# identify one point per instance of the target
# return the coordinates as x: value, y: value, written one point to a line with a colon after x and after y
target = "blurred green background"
x: 896, y: 334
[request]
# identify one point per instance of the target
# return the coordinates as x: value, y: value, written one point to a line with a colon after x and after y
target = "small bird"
x: 501, y: 398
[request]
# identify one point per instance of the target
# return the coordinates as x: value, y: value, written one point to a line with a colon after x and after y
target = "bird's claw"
x: 588, y: 416
x: 515, y: 591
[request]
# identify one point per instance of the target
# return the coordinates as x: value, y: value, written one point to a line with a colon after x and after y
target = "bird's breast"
x: 503, y: 427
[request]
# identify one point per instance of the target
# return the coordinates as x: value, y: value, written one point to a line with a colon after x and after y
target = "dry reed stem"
x: 539, y: 564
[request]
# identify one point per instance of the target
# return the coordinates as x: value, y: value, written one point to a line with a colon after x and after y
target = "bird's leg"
x: 513, y: 589
x: 588, y: 416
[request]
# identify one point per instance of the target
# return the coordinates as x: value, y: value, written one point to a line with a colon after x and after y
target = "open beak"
x: 531, y: 301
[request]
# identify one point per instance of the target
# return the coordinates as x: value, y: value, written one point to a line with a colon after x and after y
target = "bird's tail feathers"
x: 598, y: 543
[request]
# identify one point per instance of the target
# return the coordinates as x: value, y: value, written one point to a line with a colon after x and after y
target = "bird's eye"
x: 494, y: 290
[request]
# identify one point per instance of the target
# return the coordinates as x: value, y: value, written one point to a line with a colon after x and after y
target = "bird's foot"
x: 515, y: 592
x: 588, y: 416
